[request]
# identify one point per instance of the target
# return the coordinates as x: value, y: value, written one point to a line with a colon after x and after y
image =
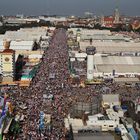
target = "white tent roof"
x: 109, y: 98
x: 112, y: 47
x: 35, y: 56
x: 116, y: 60
x: 22, y: 45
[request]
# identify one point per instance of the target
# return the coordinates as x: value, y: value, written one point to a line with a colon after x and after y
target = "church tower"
x: 116, y: 16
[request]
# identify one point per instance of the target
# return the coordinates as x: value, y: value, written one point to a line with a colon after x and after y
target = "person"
x: 90, y: 41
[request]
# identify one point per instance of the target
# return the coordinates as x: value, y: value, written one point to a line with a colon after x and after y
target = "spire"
x: 117, y: 14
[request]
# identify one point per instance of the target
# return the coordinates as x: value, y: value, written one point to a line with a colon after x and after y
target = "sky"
x: 69, y: 7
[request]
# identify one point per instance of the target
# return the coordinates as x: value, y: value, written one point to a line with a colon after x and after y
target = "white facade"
x: 80, y: 55
x: 7, y: 68
x: 90, y: 67
x: 111, y: 100
x: 105, y: 124
x: 72, y: 59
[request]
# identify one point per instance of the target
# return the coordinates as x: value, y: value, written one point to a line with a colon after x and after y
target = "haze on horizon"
x: 68, y: 7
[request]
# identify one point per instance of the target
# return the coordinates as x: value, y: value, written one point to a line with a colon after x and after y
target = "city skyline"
x: 65, y: 7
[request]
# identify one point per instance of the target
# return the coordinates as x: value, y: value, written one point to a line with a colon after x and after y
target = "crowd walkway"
x: 51, y: 80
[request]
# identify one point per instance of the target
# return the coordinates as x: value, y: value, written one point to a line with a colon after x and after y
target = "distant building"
x: 116, y: 16
x: 88, y: 14
x: 116, y: 55
x: 20, y: 21
x: 19, y: 16
x: 135, y: 25
x: 109, y: 21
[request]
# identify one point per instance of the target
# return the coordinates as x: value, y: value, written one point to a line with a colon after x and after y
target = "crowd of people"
x: 53, y: 80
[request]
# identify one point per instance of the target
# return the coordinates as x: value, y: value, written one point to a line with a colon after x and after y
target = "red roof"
x: 109, y: 24
x: 8, y: 51
x: 109, y: 19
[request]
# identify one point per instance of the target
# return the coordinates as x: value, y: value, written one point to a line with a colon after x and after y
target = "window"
x: 110, y: 125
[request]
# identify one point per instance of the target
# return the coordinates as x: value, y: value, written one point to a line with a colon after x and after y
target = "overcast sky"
x: 68, y: 7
